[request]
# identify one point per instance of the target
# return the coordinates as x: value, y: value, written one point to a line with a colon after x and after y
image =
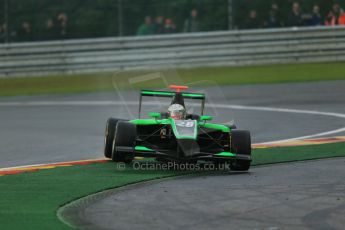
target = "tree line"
x: 58, y: 19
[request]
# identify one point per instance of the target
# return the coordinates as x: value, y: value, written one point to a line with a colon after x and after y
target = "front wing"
x: 141, y: 151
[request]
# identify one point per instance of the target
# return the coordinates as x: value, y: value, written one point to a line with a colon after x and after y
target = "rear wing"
x: 187, y: 95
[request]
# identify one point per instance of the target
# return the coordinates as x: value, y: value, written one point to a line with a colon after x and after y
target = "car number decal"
x: 186, y: 128
x: 188, y: 124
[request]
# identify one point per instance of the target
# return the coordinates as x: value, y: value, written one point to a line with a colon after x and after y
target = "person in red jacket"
x: 342, y: 19
x: 335, y: 16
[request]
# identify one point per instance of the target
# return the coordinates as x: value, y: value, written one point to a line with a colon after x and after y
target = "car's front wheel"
x: 123, y: 142
x: 240, y: 144
x: 109, y: 136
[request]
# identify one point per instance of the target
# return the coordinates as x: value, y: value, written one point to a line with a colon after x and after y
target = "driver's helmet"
x: 177, y: 111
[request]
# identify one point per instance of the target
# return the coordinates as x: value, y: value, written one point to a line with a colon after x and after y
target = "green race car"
x: 175, y: 135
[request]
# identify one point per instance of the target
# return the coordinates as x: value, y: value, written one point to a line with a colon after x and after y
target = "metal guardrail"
x: 248, y: 47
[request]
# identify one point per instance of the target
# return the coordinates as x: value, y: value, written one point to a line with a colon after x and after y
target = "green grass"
x: 299, y: 153
x: 30, y: 200
x: 219, y: 75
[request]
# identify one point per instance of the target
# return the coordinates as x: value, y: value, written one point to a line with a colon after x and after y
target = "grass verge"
x: 30, y: 200
x: 219, y: 75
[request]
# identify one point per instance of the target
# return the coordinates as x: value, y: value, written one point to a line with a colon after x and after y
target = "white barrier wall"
x: 230, y: 48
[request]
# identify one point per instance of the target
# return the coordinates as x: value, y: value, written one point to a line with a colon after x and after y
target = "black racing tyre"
x: 109, y: 136
x: 240, y: 144
x: 124, y: 136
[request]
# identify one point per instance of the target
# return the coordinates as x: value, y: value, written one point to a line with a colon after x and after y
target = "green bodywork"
x: 143, y: 148
x: 223, y: 128
x: 225, y: 154
x: 182, y: 129
x: 222, y: 154
x: 178, y: 136
x: 206, y: 118
x: 171, y: 94
x: 171, y: 122
x: 150, y: 121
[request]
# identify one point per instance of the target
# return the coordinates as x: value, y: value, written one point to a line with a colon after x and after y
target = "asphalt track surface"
x: 48, y: 129
x: 55, y: 128
x: 307, y: 195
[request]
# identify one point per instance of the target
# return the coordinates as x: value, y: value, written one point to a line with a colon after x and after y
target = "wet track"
x: 304, y: 195
x: 46, y: 129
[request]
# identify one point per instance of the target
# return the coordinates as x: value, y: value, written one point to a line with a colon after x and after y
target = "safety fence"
x: 230, y: 48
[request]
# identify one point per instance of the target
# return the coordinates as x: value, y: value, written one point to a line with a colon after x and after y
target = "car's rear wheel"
x: 124, y: 136
x: 109, y: 136
x: 240, y: 144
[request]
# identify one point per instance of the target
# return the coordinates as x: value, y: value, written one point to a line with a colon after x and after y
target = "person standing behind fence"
x: 295, y: 16
x: 24, y: 33
x: 335, y: 17
x: 62, y: 25
x: 252, y: 21
x: 2, y: 33
x: 169, y: 26
x: 50, y: 31
x: 274, y: 18
x: 158, y: 26
x: 146, y: 28
x: 342, y: 19
x: 316, y: 18
x: 191, y: 24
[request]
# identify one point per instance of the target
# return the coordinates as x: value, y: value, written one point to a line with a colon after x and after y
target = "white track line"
x: 296, y: 111
x: 131, y: 103
x: 283, y: 110
x: 306, y: 137
x: 222, y: 106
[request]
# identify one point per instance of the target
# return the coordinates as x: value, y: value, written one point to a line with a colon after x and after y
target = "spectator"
x: 62, y: 21
x: 25, y: 32
x: 252, y: 21
x: 316, y: 18
x: 329, y: 20
x: 295, y: 16
x: 146, y: 28
x: 274, y: 19
x: 50, y: 31
x: 342, y: 19
x: 10, y: 34
x: 191, y: 24
x: 335, y: 16
x: 158, y: 27
x: 2, y: 33
x: 169, y: 26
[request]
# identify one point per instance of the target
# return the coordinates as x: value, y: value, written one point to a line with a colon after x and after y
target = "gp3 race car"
x: 177, y: 136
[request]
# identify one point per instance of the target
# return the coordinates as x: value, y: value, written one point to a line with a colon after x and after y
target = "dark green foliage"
x: 100, y: 18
